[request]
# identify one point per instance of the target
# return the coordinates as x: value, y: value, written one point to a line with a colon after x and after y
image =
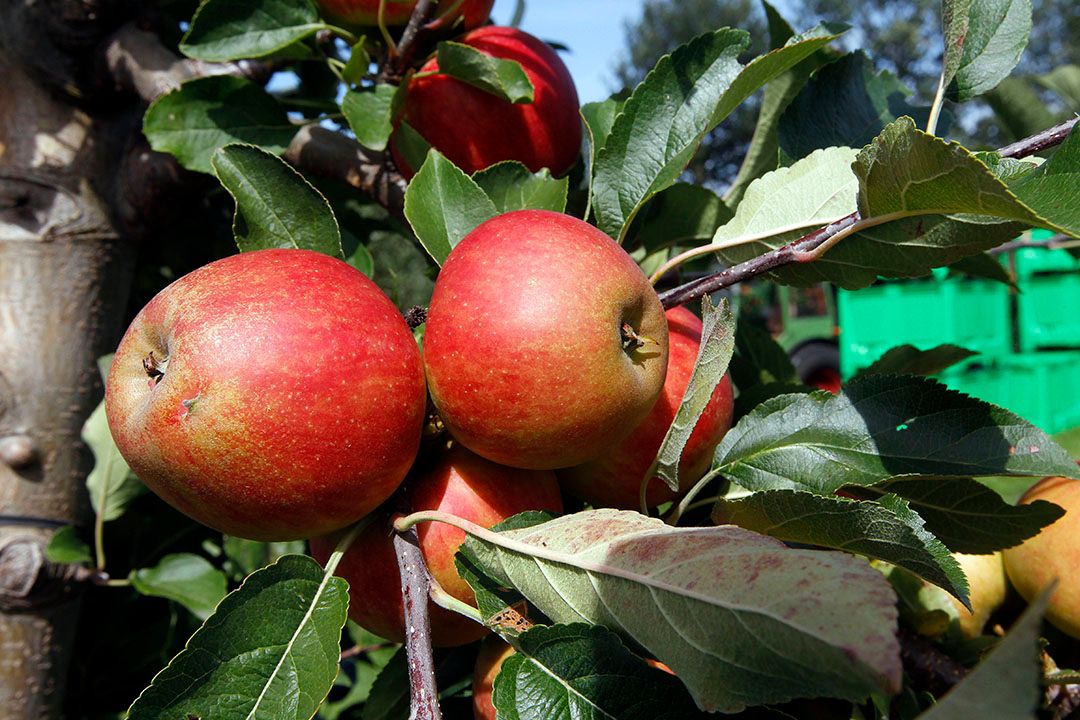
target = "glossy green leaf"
x: 512, y: 186
x: 565, y: 672
x: 887, y: 530
x: 663, y: 122
x: 1006, y: 685
x: 984, y: 42
x: 598, y: 118
x: 740, y: 618
x: 275, y: 206
x: 111, y: 484
x: 879, y: 427
x: 185, y: 578
x: 67, y: 548
x: 209, y: 113
x: 909, y: 360
x: 368, y: 113
x: 845, y: 104
x: 269, y: 652
x: 714, y: 354
x: 505, y: 79
x: 443, y: 205
x: 964, y: 514
x: 225, y: 30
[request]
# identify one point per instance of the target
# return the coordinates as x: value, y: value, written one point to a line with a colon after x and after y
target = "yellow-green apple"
x: 545, y: 343
x: 475, y: 129
x: 987, y: 587
x: 271, y: 395
x: 614, y: 478
x: 460, y: 483
x: 474, y: 13
x: 1053, y: 554
x: 493, y: 651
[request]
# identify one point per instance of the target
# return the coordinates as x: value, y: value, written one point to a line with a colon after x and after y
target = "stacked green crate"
x: 1048, y: 306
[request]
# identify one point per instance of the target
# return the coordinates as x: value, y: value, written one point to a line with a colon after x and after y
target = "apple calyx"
x: 631, y: 340
x: 154, y: 368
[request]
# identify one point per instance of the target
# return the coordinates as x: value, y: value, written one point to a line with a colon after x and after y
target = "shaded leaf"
x: 66, y: 547
x: 369, y: 113
x: 203, y: 115
x: 714, y: 353
x: 505, y: 79
x: 275, y: 206
x: 993, y: 35
x: 964, y: 514
x: 845, y: 104
x: 389, y: 697
x: 909, y: 360
x: 684, y: 214
x: 251, y: 555
x: 758, y: 358
x: 879, y: 427
x: 1006, y: 685
x: 1053, y: 188
x: 224, y: 30
x: 739, y: 617
x: 889, y: 531
x: 443, y: 205
x: 664, y: 121
x: 184, y: 578
x: 1065, y: 81
x: 985, y: 267
x: 512, y: 186
x: 111, y: 484
x: 1019, y: 107
x: 574, y: 671
x: 269, y: 652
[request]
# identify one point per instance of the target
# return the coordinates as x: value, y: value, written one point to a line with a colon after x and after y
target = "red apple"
x: 271, y: 395
x: 529, y: 346
x: 613, y: 479
x: 489, y: 662
x: 459, y: 483
x: 366, y: 12
x: 1053, y: 554
x: 475, y: 129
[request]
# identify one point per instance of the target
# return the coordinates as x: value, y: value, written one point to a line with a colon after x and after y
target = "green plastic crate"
x: 1048, y: 311
x: 1040, y: 260
x: 925, y: 313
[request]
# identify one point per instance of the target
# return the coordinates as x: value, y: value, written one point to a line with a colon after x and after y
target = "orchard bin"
x: 1028, y: 341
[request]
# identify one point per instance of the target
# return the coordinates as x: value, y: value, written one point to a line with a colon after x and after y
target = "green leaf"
x: 410, y: 145
x: 983, y: 266
x: 879, y: 427
x: 251, y: 555
x: 1065, y: 81
x: 758, y: 359
x: 269, y: 652
x: 389, y: 698
x: 111, y: 483
x: 714, y: 354
x: 224, y: 30
x: 1053, y: 188
x: 184, y: 578
x: 739, y: 617
x: 443, y: 205
x: 846, y: 103
x: 964, y: 514
x: 359, y: 62
x: 955, y: 19
x: 887, y: 530
x: 356, y: 254
x: 1019, y: 107
x: 67, y: 548
x: 505, y: 79
x: 275, y: 206
x: 574, y: 671
x: 909, y: 360
x: 369, y: 113
x: 599, y: 118
x: 205, y: 114
x: 993, y: 36
x: 512, y: 186
x: 1006, y: 685
x: 686, y: 95
x: 684, y: 214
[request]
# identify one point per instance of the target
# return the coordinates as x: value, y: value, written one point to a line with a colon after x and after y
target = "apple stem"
x: 447, y: 601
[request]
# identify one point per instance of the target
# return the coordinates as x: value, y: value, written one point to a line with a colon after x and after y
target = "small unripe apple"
x: 987, y: 587
x: 271, y: 395
x: 493, y: 652
x: 1052, y: 554
x: 475, y: 129
x: 614, y: 478
x: 460, y: 483
x: 545, y: 343
x: 474, y: 13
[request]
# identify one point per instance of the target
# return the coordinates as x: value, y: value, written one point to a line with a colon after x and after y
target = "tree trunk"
x: 64, y: 278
